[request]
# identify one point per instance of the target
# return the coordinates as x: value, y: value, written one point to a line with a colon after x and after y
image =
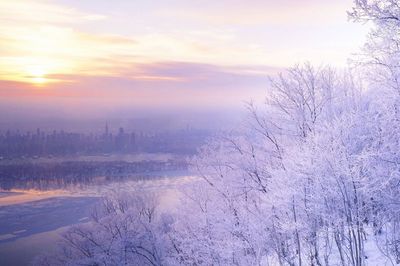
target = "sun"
x: 38, y: 80
x: 37, y: 76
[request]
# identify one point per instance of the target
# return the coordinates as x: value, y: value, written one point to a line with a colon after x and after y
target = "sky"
x: 83, y: 58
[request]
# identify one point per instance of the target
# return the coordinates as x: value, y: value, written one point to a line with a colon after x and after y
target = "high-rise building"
x: 106, y: 130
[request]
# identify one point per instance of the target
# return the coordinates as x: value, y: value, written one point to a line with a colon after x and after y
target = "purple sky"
x: 76, y: 55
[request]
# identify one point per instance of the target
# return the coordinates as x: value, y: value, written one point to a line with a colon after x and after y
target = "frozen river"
x: 27, y: 229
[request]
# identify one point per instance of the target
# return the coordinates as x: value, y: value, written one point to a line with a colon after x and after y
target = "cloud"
x: 40, y: 41
x: 22, y: 12
x: 49, y: 40
x: 161, y: 84
x: 253, y: 13
x: 86, y: 56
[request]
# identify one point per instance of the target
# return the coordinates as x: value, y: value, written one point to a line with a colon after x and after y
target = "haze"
x: 90, y: 60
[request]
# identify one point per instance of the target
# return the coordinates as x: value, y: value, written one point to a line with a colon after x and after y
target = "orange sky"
x: 164, y: 52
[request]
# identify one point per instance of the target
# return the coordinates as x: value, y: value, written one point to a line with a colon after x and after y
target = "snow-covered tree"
x: 126, y: 229
x: 261, y: 201
x: 382, y: 49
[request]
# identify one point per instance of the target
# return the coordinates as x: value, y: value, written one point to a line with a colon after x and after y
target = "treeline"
x: 45, y: 175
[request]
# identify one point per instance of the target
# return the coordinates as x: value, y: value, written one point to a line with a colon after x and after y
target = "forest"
x: 311, y: 178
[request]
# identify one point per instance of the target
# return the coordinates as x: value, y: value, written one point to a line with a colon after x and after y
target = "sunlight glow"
x: 37, y: 75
